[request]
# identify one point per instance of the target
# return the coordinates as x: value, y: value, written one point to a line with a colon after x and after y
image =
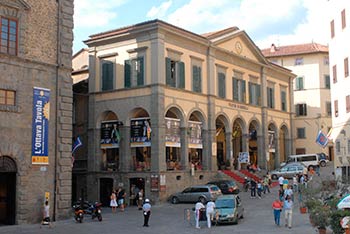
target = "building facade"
x: 35, y: 109
x: 168, y: 108
x: 310, y: 62
x: 339, y: 52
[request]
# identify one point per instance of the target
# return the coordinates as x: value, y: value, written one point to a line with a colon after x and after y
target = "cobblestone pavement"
x: 170, y: 219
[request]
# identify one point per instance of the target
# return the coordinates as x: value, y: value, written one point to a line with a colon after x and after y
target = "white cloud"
x: 89, y: 13
x: 315, y: 27
x: 158, y: 12
x: 255, y: 15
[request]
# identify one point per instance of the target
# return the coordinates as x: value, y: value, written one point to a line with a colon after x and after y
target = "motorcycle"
x: 94, y: 210
x: 246, y: 184
x: 78, y: 212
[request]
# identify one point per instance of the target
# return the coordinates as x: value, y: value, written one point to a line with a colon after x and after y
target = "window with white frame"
x: 299, y: 83
x: 301, y: 109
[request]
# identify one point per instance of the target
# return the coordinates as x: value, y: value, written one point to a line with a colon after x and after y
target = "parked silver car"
x: 229, y: 209
x: 288, y: 170
x: 196, y: 193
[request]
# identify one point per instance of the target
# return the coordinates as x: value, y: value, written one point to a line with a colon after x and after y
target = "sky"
x: 282, y: 22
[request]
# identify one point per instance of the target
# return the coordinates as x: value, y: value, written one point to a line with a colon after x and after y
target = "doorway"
x: 106, y: 187
x: 136, y: 184
x: 8, y: 171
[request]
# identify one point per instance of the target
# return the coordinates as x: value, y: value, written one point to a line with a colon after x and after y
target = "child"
x: 46, y: 215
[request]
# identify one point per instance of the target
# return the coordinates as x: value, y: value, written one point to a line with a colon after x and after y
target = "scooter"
x: 78, y: 212
x: 94, y: 210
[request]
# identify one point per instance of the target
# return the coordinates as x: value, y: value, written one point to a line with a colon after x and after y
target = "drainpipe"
x: 56, y: 117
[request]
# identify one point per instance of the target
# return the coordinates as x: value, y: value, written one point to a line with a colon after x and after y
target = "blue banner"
x: 40, y: 126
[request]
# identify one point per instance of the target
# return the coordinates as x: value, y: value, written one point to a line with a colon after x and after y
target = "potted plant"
x: 228, y: 164
x: 320, y: 216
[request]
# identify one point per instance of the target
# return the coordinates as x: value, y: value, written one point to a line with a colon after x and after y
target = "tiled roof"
x: 309, y: 48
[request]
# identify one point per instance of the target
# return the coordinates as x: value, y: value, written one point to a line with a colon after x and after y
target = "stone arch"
x: 283, y: 143
x: 238, y: 136
x: 175, y: 112
x: 138, y: 112
x: 105, y: 116
x: 272, y: 136
x: 222, y: 127
x: 199, y: 116
x: 253, y: 132
x: 7, y: 164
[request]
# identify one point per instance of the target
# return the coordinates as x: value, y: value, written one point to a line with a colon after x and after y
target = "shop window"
x: 195, y: 158
x: 7, y: 97
x: 110, y: 159
x: 141, y: 158
x: 173, y: 159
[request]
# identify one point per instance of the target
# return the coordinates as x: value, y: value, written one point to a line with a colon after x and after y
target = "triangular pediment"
x: 238, y: 42
x: 17, y: 4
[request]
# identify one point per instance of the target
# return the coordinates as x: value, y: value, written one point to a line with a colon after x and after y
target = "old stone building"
x: 168, y: 108
x: 35, y: 109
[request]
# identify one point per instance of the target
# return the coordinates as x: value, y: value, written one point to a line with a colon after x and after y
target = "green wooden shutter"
x: 250, y: 93
x: 181, y: 67
x: 258, y: 95
x: 243, y: 93
x: 283, y: 101
x: 168, y: 71
x: 107, y: 76
x: 199, y: 79
x: 272, y: 97
x: 127, y: 73
x: 268, y: 96
x: 221, y: 84
x: 235, y: 89
x: 140, y: 79
x: 195, y: 78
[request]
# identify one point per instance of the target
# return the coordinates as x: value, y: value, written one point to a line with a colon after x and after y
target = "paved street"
x: 168, y: 218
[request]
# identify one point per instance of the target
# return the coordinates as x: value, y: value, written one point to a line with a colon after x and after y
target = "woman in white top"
x: 113, y: 203
x: 210, y: 211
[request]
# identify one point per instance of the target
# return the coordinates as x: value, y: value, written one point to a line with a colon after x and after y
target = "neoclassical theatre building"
x: 35, y: 109
x: 169, y: 108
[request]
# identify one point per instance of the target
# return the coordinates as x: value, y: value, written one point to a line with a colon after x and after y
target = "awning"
x: 344, y: 203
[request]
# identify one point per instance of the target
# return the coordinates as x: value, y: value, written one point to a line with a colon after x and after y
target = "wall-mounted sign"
x: 272, y: 147
x: 243, y: 157
x: 140, y: 132
x: 110, y: 134
x: 40, y: 126
x: 154, y: 183
x: 172, y: 132
x: 194, y: 132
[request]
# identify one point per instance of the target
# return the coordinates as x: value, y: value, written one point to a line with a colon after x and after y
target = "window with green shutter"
x: 197, y: 79
x: 327, y: 81
x: 175, y: 73
x: 270, y: 97
x: 134, y: 72
x: 107, y: 75
x: 238, y: 89
x: 254, y: 94
x: 299, y: 83
x: 283, y: 101
x: 221, y: 85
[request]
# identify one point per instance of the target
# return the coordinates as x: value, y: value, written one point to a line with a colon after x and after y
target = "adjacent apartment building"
x: 311, y: 93
x: 339, y: 53
x: 169, y: 107
x: 35, y: 109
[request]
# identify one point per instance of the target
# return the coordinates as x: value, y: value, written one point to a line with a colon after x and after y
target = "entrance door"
x: 106, y: 187
x: 7, y: 191
x: 136, y: 184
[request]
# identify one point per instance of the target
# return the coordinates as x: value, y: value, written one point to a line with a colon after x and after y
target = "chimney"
x: 273, y: 48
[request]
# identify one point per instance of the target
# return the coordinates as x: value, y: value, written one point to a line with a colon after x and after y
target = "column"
x: 277, y: 149
x: 229, y: 149
x: 125, y: 157
x: 263, y: 141
x: 184, y: 149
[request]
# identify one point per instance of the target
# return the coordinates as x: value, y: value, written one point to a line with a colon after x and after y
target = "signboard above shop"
x: 110, y: 134
x: 140, y: 132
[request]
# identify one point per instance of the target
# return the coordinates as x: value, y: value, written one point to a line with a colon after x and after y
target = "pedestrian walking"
x: 281, y: 194
x: 198, y: 208
x: 280, y: 181
x: 289, y: 192
x: 266, y: 185
x: 121, y: 196
x: 146, y: 212
x: 140, y: 199
x: 288, y: 212
x: 46, y: 215
x: 277, y: 206
x: 113, y: 204
x: 295, y: 183
x: 285, y: 183
x: 210, y: 208
x: 259, y: 188
x: 252, y: 189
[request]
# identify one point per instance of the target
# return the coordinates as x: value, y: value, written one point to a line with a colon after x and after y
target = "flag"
x: 329, y: 134
x: 322, y: 139
x: 76, y: 144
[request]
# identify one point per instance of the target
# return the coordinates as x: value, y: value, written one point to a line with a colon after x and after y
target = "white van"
x: 307, y: 159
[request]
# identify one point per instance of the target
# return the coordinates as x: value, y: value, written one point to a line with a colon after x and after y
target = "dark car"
x: 226, y: 186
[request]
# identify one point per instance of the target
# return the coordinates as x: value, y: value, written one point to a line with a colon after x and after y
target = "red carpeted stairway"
x: 250, y: 175
x: 233, y: 175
